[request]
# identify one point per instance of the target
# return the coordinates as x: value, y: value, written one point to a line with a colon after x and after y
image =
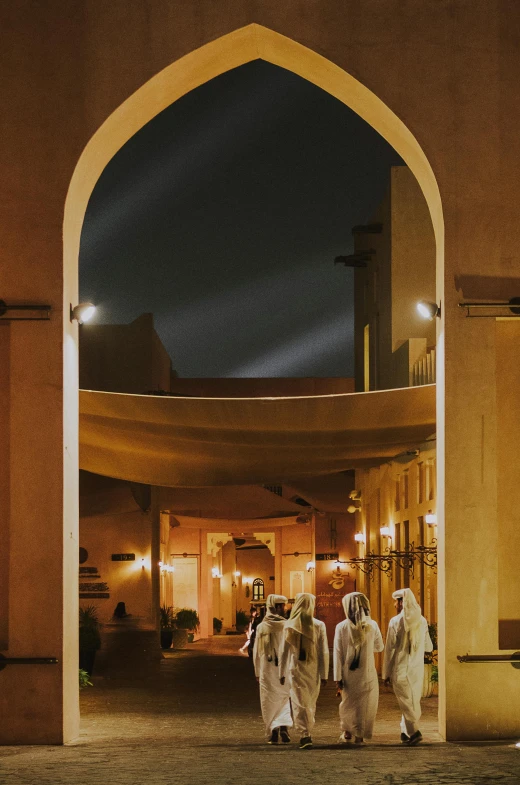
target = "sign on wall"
x: 123, y: 557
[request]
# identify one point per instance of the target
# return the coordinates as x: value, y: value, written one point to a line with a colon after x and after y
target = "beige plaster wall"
x: 259, y: 388
x: 508, y: 490
x: 253, y: 564
x: 399, y: 273
x: 66, y: 69
x: 128, y: 582
x: 127, y: 358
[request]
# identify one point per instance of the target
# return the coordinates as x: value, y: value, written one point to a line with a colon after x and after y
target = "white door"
x: 186, y: 583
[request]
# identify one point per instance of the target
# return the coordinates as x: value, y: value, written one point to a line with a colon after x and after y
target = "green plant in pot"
x: 167, y: 621
x: 242, y: 620
x: 187, y: 622
x: 89, y: 637
x: 217, y: 625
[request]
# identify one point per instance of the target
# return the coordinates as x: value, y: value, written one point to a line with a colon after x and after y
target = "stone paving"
x: 194, y: 719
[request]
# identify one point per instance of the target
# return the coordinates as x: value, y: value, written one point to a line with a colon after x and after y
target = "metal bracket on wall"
x: 42, y: 312
x: 512, y: 305
x: 5, y: 661
x: 512, y: 659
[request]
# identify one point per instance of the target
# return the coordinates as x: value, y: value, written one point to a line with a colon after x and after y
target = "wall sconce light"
x: 430, y: 518
x: 43, y: 312
x: 82, y: 312
x: 215, y: 572
x: 237, y: 573
x: 428, y: 310
x: 142, y: 563
x: 385, y: 531
x: 359, y: 537
x: 354, y: 507
x: 310, y: 566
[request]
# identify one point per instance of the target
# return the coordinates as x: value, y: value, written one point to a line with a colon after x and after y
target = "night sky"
x: 223, y: 216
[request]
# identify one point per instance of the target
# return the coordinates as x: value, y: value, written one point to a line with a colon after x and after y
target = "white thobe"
x: 274, y: 698
x: 406, y: 670
x: 305, y: 678
x: 360, y: 694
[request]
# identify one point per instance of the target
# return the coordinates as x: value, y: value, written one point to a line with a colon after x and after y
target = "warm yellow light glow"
x: 237, y: 573
x: 428, y: 310
x: 82, y: 312
x: 215, y: 572
x: 359, y: 537
x: 385, y: 531
x: 310, y: 566
x: 351, y: 508
x: 430, y: 518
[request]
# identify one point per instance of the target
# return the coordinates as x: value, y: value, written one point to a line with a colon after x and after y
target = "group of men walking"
x: 291, y: 661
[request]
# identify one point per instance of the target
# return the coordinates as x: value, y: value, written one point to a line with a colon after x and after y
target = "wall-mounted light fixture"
x: 82, y: 312
x: 385, y: 531
x: 428, y: 310
x: 359, y: 537
x: 507, y: 310
x: 310, y: 566
x: 430, y: 518
x: 215, y: 572
x: 237, y: 573
x: 355, y: 505
x: 40, y: 313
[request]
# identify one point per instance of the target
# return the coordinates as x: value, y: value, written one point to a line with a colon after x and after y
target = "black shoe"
x: 305, y: 743
x: 415, y: 738
x: 274, y: 737
x: 284, y: 735
x: 404, y: 738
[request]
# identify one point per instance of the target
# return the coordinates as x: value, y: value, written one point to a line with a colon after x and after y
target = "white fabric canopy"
x: 183, y: 442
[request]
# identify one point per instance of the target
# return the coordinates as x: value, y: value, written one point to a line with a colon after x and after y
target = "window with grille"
x: 258, y: 589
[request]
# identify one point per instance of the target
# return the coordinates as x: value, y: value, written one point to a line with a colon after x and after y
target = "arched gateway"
x: 46, y: 570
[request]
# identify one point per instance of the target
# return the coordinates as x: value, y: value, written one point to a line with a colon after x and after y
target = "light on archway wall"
x: 310, y: 566
x: 82, y: 312
x: 428, y: 310
x: 359, y: 537
x: 430, y: 518
x: 385, y: 531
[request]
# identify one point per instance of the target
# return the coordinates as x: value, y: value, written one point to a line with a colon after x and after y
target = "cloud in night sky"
x: 222, y: 217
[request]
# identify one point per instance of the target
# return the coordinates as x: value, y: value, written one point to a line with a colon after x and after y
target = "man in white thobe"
x: 355, y: 641
x: 274, y: 697
x: 407, y: 640
x: 305, y: 662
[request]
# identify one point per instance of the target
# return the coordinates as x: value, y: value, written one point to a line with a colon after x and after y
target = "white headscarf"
x: 271, y: 623
x: 411, y: 616
x: 300, y: 625
x: 357, y: 610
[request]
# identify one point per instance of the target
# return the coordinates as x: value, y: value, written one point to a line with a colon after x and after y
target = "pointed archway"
x: 211, y: 60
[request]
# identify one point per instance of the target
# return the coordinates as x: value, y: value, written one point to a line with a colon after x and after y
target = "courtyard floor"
x: 194, y: 718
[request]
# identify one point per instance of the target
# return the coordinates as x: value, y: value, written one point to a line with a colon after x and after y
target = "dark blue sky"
x: 223, y: 216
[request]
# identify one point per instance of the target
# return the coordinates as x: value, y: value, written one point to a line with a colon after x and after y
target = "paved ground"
x: 195, y: 720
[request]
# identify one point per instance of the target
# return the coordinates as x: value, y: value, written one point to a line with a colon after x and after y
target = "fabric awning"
x: 183, y: 442
x: 226, y: 502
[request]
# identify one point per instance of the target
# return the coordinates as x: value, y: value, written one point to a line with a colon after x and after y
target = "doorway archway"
x: 226, y: 53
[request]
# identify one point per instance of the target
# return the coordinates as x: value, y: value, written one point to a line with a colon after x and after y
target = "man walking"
x: 274, y: 697
x: 305, y: 662
x: 403, y: 665
x: 355, y: 641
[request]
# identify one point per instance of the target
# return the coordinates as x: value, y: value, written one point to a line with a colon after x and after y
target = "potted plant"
x: 431, y: 674
x: 167, y: 621
x: 187, y: 619
x: 89, y: 637
x: 217, y: 625
x: 242, y: 620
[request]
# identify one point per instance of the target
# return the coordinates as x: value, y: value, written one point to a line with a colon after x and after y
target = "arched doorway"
x: 230, y: 51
